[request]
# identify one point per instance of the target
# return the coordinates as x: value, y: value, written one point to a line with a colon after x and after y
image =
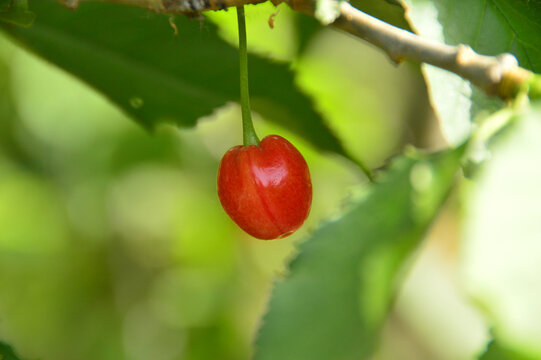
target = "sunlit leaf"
x: 333, y: 302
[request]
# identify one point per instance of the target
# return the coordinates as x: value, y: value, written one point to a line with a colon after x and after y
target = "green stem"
x: 248, y: 131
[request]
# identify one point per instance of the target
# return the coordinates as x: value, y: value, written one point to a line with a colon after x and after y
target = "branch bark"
x: 496, y: 75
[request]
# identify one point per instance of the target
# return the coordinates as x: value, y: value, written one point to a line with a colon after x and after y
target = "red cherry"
x: 265, y: 189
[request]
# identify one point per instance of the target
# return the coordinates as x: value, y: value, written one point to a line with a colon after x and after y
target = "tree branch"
x: 496, y: 75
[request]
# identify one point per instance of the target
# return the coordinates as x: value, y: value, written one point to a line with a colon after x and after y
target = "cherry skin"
x: 265, y: 189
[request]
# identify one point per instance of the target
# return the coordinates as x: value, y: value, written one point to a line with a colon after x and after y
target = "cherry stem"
x: 248, y: 131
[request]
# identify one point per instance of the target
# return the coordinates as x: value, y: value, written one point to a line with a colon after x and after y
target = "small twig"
x: 496, y: 75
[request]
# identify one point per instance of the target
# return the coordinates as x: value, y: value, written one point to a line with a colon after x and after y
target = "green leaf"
x: 501, y: 252
x: 132, y: 56
x: 16, y: 12
x: 332, y: 304
x: 490, y: 27
x: 521, y: 24
x: 7, y: 352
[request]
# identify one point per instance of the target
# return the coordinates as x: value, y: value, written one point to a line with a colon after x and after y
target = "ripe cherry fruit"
x: 266, y: 188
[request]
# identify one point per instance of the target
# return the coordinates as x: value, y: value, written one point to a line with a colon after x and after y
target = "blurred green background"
x: 113, y: 244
